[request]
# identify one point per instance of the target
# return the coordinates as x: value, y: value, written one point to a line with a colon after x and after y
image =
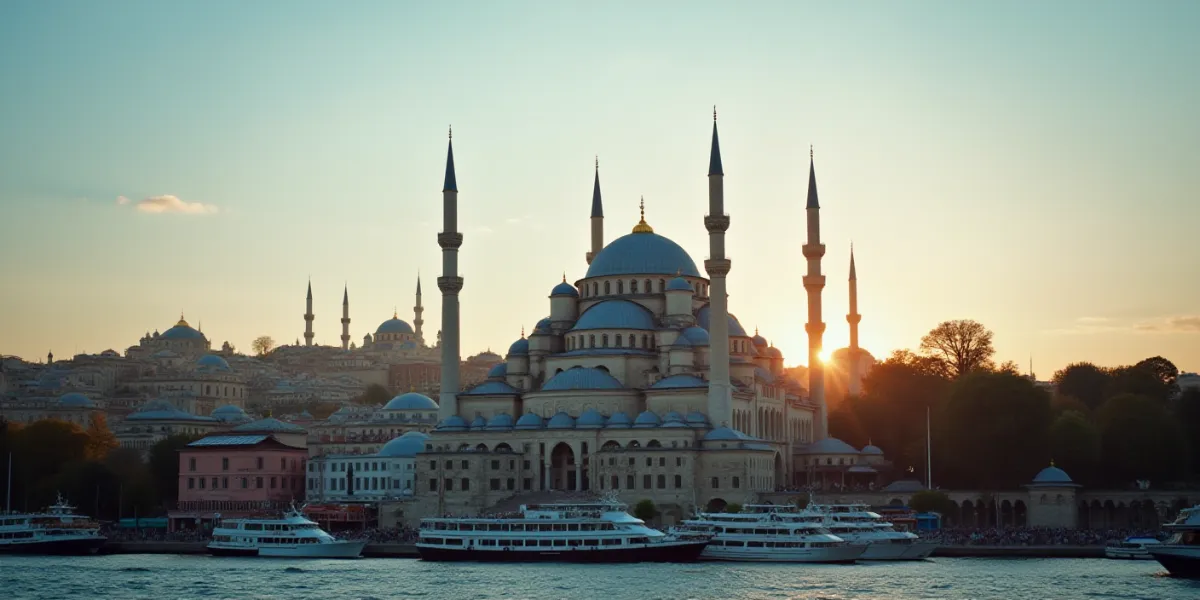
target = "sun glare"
x: 826, y: 355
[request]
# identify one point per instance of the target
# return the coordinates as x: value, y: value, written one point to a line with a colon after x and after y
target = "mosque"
x: 639, y: 382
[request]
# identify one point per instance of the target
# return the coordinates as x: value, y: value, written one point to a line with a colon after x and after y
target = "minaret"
x: 417, y: 310
x: 720, y: 410
x: 597, y: 217
x: 308, y: 318
x: 346, y: 318
x: 814, y: 282
x: 855, y: 383
x: 50, y: 357
x: 450, y: 283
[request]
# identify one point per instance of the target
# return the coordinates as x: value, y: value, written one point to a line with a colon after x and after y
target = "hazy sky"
x: 1034, y: 166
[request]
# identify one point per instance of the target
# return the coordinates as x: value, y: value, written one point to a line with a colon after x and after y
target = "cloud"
x: 1093, y: 325
x: 168, y: 204
x: 1181, y: 324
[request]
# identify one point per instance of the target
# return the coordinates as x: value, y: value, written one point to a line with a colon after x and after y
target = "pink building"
x: 236, y: 474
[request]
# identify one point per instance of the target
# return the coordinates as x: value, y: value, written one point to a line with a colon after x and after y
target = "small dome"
x: 542, y: 327
x: 642, y: 254
x: 679, y: 381
x: 581, y: 378
x: 492, y: 387
x: 269, y: 424
x: 679, y: 284
x: 647, y: 419
x: 872, y: 450
x: 696, y: 419
x: 1052, y: 475
x: 759, y: 341
x: 615, y: 314
x: 229, y: 412
x: 529, y: 421
x: 519, y: 348
x: 393, y: 325
x: 405, y: 446
x: 182, y: 331
x: 452, y: 423
x: 561, y: 421
x: 672, y: 416
x: 564, y: 289
x: 499, y: 370
x: 619, y: 420
x: 500, y: 422
x: 774, y: 352
x: 695, y: 335
x: 830, y: 446
x: 735, y: 328
x: 479, y: 423
x: 75, y: 400
x: 590, y: 419
x: 724, y: 434
x: 212, y: 362
x: 411, y: 401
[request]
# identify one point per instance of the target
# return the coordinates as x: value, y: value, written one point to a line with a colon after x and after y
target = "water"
x: 192, y: 577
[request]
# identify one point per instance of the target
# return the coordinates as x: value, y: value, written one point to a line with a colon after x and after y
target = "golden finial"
x: 714, y: 113
x: 1052, y: 462
x: 564, y: 276
x: 597, y: 162
x: 522, y: 332
x: 395, y: 313
x: 810, y: 152
x: 451, y: 131
x: 642, y: 226
x: 182, y: 322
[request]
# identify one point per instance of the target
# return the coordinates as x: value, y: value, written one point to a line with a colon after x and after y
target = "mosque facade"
x: 639, y: 382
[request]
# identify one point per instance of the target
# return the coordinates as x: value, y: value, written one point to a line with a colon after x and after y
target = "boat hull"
x: 917, y: 551
x: 341, y: 549
x: 1180, y: 562
x: 661, y: 552
x: 831, y: 555
x: 1128, y: 554
x: 70, y: 547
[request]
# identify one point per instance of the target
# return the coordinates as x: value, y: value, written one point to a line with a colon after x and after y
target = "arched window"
x: 633, y: 287
x: 620, y: 287
x: 618, y: 342
x: 653, y: 444
x: 591, y: 340
x: 632, y: 340
x: 644, y: 343
x: 607, y: 288
x: 570, y: 343
x: 604, y: 340
x: 662, y: 284
x: 595, y: 288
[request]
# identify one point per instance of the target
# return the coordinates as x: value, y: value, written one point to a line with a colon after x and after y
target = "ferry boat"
x: 770, y: 533
x: 1132, y: 548
x: 290, y: 536
x: 599, y: 531
x: 1180, y: 554
x: 57, y: 531
x: 857, y: 524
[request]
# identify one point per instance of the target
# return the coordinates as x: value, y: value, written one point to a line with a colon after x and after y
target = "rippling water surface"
x: 191, y: 577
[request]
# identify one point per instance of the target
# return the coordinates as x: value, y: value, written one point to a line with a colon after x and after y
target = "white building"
x: 387, y: 475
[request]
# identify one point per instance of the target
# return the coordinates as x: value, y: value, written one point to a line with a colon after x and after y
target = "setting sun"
x: 826, y: 355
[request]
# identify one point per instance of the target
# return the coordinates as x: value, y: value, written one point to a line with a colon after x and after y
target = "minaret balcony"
x: 853, y: 319
x: 814, y: 329
x: 813, y: 282
x: 450, y: 285
x: 716, y: 223
x: 718, y: 267
x: 812, y: 251
x: 450, y: 240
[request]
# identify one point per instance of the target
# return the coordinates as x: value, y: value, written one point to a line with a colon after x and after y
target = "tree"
x: 645, y: 510
x: 1186, y: 410
x: 41, y: 451
x: 1139, y: 440
x: 374, y: 394
x: 321, y: 410
x: 1085, y: 381
x: 1075, y: 446
x: 1062, y: 404
x: 136, y: 489
x: 101, y: 440
x: 962, y: 346
x: 844, y: 424
x: 1153, y: 377
x: 733, y: 507
x: 926, y: 501
x: 992, y: 431
x: 891, y: 411
x: 1163, y: 370
x: 164, y: 465
x: 262, y: 345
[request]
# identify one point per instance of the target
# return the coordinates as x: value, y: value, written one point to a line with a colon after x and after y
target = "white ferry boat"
x: 857, y: 524
x: 57, y: 531
x: 1180, y: 554
x: 1132, y: 548
x: 599, y: 531
x: 290, y: 536
x: 770, y: 533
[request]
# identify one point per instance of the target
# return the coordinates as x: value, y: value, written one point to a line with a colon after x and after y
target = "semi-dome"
x: 75, y: 400
x: 229, y: 412
x: 642, y: 254
x: 735, y: 328
x: 678, y: 381
x: 672, y: 416
x: 581, y: 378
x: 774, y: 352
x: 615, y: 314
x: 695, y: 335
x: 479, y: 422
x: 727, y: 434
x: 590, y: 419
x: 619, y: 420
x: 1052, y: 475
x: 498, y: 370
x: 679, y: 284
x: 561, y: 421
x: 529, y: 421
x: 453, y: 423
x: 500, y: 422
x: 647, y: 419
x: 831, y: 445
x: 411, y: 401
x: 394, y: 325
x: 405, y: 446
x: 872, y: 450
x: 696, y: 419
x: 182, y: 331
x: 564, y: 289
x: 270, y: 425
x: 543, y: 326
x: 493, y: 387
x: 212, y: 362
x: 519, y: 347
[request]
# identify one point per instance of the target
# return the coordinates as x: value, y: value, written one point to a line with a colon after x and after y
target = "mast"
x: 928, y: 452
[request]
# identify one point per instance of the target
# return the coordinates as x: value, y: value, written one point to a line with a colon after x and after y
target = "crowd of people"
x: 1030, y: 536
x: 147, y: 534
x: 384, y: 535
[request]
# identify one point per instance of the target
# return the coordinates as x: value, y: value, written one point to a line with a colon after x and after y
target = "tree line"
x: 994, y: 428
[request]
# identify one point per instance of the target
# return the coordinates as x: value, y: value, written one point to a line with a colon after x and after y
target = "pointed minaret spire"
x: 308, y: 317
x: 346, y: 317
x: 597, y: 219
x: 855, y: 375
x: 814, y: 282
x: 418, y: 322
x: 451, y: 184
x: 450, y: 283
x: 720, y: 388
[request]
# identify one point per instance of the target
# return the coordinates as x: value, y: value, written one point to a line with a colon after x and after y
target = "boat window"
x: 573, y: 527
x: 754, y: 544
x: 544, y: 543
x: 612, y: 542
x: 591, y: 542
x: 453, y: 542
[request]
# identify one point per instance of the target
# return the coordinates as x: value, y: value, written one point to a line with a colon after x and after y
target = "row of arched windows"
x: 581, y: 341
x: 644, y: 286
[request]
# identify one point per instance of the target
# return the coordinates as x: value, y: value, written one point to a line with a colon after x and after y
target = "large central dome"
x: 642, y: 254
